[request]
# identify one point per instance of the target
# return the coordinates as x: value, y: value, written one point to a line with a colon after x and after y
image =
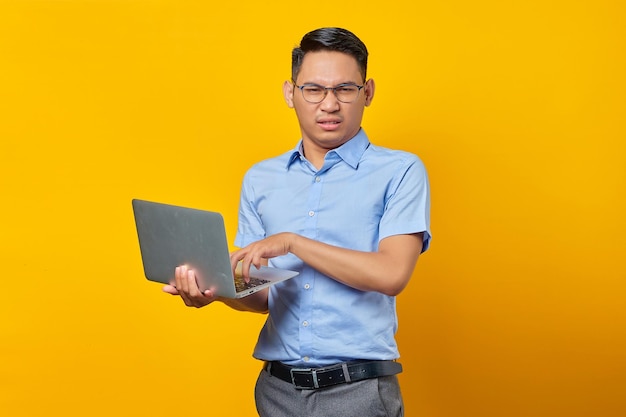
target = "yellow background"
x: 517, y: 109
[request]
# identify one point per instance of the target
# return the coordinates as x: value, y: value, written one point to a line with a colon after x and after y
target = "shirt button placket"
x: 310, y: 230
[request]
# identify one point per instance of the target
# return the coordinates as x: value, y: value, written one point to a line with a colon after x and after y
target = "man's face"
x: 330, y: 123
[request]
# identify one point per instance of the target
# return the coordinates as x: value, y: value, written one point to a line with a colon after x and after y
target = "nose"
x: 330, y: 103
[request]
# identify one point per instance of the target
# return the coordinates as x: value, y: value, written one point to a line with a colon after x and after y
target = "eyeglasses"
x: 315, y: 93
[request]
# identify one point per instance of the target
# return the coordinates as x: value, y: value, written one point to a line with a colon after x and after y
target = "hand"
x: 256, y: 253
x: 187, y: 288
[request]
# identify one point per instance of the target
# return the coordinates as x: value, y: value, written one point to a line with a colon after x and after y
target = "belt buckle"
x: 300, y: 378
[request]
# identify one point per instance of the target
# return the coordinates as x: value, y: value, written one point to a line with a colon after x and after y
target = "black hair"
x: 329, y: 39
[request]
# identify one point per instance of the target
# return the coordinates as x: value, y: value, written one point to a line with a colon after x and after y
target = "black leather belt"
x: 314, y: 378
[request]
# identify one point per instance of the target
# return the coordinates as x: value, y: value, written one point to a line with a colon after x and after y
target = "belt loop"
x: 268, y: 367
x: 346, y: 373
x: 316, y: 383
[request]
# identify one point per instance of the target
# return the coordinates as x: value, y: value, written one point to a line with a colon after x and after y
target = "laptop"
x: 170, y: 236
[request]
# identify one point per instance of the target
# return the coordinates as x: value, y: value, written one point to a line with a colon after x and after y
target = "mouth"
x: 329, y: 124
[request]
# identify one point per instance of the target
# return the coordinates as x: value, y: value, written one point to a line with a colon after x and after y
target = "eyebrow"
x: 336, y: 85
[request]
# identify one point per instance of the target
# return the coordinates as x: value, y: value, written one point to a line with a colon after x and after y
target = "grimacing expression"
x: 330, y: 123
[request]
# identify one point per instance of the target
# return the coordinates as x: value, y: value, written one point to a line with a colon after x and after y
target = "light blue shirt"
x: 362, y: 194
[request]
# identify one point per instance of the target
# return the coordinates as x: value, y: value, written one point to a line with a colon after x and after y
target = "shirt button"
x: 305, y: 323
x: 317, y: 179
x: 307, y: 286
x: 311, y: 213
x: 306, y: 359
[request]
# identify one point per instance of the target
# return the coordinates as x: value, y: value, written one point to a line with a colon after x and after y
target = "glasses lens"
x: 313, y: 93
x: 347, y: 93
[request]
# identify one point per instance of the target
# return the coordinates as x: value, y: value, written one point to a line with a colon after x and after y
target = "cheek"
x: 300, y: 114
x: 305, y: 114
x: 355, y: 116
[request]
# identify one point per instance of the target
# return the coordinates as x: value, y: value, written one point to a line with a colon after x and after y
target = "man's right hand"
x: 187, y: 288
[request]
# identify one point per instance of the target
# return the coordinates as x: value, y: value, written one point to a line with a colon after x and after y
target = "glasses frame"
x: 327, y: 89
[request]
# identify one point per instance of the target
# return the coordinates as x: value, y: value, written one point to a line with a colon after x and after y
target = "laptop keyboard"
x: 241, y: 285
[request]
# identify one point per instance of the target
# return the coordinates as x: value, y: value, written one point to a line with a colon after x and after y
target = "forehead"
x: 328, y: 68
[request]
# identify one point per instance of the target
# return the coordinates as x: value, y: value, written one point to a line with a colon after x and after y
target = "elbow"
x: 395, y: 286
x: 393, y: 291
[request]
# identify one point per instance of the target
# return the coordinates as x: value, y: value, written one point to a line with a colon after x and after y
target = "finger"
x: 182, y: 284
x: 257, y: 262
x: 177, y: 277
x: 235, y: 257
x: 181, y: 279
x: 209, y: 297
x: 202, y: 300
x: 192, y: 284
x: 196, y: 297
x: 245, y: 269
x: 170, y: 289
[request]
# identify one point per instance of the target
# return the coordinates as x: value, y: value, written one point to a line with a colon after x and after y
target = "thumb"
x: 170, y: 289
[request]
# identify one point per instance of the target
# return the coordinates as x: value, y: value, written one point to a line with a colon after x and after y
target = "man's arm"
x: 387, y: 270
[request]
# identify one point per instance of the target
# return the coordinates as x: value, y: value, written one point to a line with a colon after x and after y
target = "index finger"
x: 237, y: 262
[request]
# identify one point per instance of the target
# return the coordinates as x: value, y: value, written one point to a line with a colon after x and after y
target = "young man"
x: 352, y: 218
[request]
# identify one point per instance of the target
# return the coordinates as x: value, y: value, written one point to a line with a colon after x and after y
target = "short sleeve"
x: 407, y: 209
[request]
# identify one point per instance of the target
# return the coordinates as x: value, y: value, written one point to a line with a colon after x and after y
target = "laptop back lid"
x: 170, y: 236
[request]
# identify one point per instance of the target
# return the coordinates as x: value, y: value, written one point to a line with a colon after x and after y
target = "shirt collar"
x: 351, y: 151
x: 295, y: 154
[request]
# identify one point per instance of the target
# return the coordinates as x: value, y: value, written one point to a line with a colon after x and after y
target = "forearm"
x: 387, y: 271
x: 256, y: 303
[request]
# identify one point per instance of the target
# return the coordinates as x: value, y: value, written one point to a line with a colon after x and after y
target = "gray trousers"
x: 376, y: 397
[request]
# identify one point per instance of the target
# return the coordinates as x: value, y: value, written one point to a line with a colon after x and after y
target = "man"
x: 352, y: 218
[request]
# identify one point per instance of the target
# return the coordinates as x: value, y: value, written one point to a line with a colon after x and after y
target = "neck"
x: 314, y: 156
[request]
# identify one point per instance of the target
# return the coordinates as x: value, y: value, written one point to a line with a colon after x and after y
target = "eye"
x: 312, y: 89
x: 346, y: 88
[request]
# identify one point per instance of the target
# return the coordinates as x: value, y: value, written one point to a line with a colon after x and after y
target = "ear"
x: 288, y: 93
x: 369, y: 91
